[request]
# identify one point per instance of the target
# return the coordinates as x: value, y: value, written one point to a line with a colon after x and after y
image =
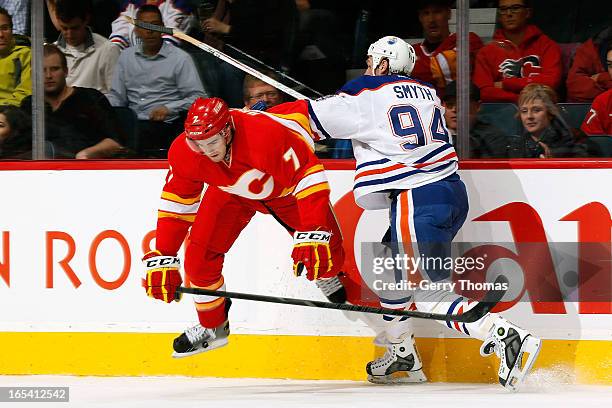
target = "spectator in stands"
x: 20, y: 12
x: 520, y: 54
x: 159, y: 82
x: 265, y: 29
x: 232, y: 28
x: 486, y: 140
x: 315, y: 53
x: 78, y: 121
x: 15, y: 69
x: 437, y: 54
x: 91, y: 57
x: 256, y: 90
x: 589, y: 76
x: 545, y: 134
x: 599, y: 119
x: 103, y: 14
x: 175, y: 14
x: 15, y: 133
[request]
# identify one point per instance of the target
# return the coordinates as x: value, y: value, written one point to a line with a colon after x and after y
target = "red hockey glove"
x: 162, y: 276
x: 311, y: 251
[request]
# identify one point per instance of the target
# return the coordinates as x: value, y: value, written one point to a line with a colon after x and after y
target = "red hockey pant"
x: 220, y: 219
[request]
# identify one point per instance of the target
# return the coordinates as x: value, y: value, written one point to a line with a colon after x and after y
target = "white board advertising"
x: 71, y: 243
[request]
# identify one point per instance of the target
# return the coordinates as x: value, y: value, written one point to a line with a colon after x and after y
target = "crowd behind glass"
x: 540, y: 86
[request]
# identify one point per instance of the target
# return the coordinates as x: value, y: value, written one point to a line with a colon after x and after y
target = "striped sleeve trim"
x: 177, y: 199
x: 311, y: 190
x: 184, y: 217
x: 298, y: 118
x: 174, y: 204
x: 297, y: 123
x: 314, y: 169
x: 169, y: 206
x: 310, y: 180
x: 120, y: 41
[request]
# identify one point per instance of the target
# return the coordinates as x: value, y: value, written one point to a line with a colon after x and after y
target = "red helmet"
x: 206, y: 118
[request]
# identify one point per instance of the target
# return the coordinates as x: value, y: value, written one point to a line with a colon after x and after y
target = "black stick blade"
x: 477, y: 312
x: 483, y: 307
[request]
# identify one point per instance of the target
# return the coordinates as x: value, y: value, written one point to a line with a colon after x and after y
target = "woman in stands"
x: 545, y: 133
x: 15, y: 134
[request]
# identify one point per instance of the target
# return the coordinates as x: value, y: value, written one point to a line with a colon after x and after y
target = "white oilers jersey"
x: 397, y: 128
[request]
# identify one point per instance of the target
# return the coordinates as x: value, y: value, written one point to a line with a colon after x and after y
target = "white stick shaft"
x: 222, y: 56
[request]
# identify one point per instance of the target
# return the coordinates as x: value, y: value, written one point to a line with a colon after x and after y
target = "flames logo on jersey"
x: 521, y: 68
x: 253, y: 184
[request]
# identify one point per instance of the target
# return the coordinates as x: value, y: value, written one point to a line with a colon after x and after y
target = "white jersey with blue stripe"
x: 397, y: 128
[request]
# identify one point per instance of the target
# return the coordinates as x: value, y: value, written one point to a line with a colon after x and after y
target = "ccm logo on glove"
x: 162, y: 261
x: 311, y: 252
x: 312, y: 236
x: 162, y: 276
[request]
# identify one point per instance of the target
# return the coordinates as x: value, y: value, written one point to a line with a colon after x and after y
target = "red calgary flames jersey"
x: 599, y: 119
x: 271, y: 156
x: 537, y: 59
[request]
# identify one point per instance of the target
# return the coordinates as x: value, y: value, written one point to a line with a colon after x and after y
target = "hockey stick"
x: 294, y: 81
x: 482, y: 308
x: 222, y: 56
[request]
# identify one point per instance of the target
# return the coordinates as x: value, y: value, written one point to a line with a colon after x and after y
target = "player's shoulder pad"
x: 370, y: 82
x: 297, y: 106
x: 179, y: 150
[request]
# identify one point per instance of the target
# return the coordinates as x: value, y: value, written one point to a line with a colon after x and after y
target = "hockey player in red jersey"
x: 225, y: 166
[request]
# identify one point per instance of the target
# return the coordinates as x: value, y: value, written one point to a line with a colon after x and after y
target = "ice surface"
x: 544, y: 389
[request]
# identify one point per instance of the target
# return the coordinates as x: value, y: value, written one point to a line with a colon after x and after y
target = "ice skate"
x: 510, y: 343
x: 333, y: 289
x: 199, y: 339
x: 401, y: 364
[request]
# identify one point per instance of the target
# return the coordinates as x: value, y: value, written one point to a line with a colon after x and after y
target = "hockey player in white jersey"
x: 406, y: 163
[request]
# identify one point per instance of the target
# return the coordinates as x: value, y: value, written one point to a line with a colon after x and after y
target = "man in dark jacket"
x: 79, y: 121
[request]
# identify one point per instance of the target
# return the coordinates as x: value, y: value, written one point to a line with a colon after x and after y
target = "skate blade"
x: 532, y: 346
x: 215, y: 344
x: 400, y: 377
